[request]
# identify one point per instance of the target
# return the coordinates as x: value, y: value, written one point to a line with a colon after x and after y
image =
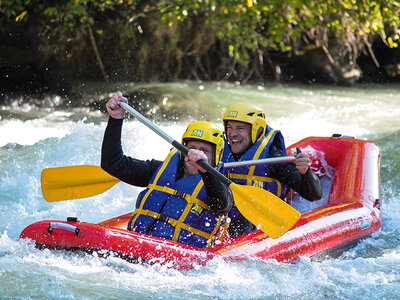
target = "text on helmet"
x: 232, y: 114
x: 197, y: 132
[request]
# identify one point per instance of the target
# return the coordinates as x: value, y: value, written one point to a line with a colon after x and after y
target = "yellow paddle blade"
x: 265, y: 210
x: 65, y: 183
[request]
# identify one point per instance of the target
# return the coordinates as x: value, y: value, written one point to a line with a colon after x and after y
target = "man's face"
x: 239, y: 136
x: 207, y: 148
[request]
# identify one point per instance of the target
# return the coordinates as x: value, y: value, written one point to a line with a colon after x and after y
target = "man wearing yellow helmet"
x: 248, y: 137
x: 182, y: 202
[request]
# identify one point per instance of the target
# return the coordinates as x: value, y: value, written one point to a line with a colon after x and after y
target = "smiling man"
x: 248, y: 137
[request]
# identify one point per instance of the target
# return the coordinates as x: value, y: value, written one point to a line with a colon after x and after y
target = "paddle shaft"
x: 173, y: 142
x: 265, y: 161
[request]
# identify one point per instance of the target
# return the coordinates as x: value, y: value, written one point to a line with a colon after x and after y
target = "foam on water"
x: 27, y: 133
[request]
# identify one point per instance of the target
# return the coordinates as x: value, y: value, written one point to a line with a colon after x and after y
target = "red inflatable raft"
x: 348, y: 211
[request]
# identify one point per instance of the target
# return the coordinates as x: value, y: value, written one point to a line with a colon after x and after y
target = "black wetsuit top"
x: 139, y: 172
x: 307, y: 185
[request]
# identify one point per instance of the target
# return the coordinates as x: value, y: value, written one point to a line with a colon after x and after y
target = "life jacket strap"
x: 175, y: 223
x: 180, y: 194
x: 223, y: 229
x: 250, y: 178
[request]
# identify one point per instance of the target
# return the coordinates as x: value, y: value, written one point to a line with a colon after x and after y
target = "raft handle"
x: 72, y: 219
x: 377, y: 204
x: 63, y: 226
x: 339, y: 136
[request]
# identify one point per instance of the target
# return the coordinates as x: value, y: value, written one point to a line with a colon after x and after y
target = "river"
x: 34, y: 137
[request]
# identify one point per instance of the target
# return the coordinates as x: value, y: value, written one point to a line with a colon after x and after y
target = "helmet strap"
x: 259, y: 133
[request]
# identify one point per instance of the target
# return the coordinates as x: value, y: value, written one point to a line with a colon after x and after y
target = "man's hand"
x: 195, y: 155
x: 113, y: 106
x: 302, y: 161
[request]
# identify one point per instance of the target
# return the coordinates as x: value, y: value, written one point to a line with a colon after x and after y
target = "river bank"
x: 52, y: 47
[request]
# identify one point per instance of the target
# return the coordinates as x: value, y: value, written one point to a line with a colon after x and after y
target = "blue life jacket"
x: 256, y: 175
x: 176, y: 210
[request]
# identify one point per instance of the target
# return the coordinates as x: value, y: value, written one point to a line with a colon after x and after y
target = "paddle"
x: 265, y: 161
x: 265, y: 210
x: 64, y: 183
x: 67, y: 183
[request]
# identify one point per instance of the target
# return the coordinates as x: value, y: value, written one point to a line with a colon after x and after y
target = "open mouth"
x: 236, y: 142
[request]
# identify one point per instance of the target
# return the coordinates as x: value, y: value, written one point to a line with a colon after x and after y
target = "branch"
x: 371, y: 52
x: 96, y: 52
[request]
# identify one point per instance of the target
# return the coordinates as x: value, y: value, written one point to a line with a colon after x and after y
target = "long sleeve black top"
x: 139, y: 172
x: 307, y: 185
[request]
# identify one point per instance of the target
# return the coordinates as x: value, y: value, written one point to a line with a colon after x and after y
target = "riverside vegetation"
x: 51, y: 45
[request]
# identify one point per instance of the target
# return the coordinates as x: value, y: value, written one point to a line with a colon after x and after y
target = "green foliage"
x: 185, y: 28
x: 279, y: 25
x: 64, y: 16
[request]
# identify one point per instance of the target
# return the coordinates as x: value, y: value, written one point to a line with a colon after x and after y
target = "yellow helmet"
x: 248, y: 113
x: 206, y: 132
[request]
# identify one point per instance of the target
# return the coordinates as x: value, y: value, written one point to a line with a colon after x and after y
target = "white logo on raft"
x: 365, y: 224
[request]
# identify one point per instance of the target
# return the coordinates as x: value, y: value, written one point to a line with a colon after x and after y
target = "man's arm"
x: 113, y: 161
x: 219, y: 196
x: 307, y: 185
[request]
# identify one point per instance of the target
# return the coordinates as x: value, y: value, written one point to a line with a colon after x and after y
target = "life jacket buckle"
x: 180, y: 194
x: 163, y: 218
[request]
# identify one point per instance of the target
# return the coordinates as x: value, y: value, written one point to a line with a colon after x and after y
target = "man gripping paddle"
x: 182, y: 202
x: 248, y: 138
